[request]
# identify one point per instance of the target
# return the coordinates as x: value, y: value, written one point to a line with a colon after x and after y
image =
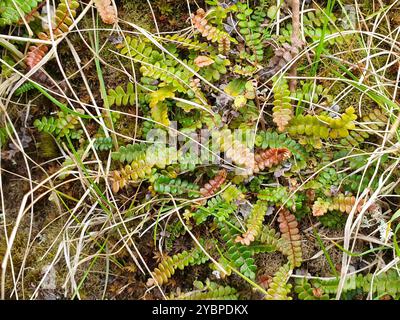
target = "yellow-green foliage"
x: 282, y: 110
x: 167, y: 268
x: 279, y: 288
x: 323, y: 126
x: 254, y: 223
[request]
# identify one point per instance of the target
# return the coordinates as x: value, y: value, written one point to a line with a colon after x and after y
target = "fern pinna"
x: 207, y: 291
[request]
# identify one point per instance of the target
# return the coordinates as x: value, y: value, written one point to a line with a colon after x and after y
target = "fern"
x: 120, y: 97
x: 240, y: 256
x: 290, y: 244
x: 208, y: 291
x: 167, y: 268
x: 253, y: 223
x: 176, y: 186
x: 249, y: 23
x: 266, y: 139
x: 280, y: 195
x: 103, y: 143
x: 213, y: 185
x: 10, y: 10
x: 269, y: 158
x: 279, y: 288
x: 340, y: 203
x: 185, y: 42
x: 129, y: 152
x: 234, y: 150
x: 106, y: 11
x: 313, y: 22
x: 66, y: 10
x: 385, y: 283
x: 211, y: 33
x: 64, y: 125
x: 217, y: 207
x: 282, y: 110
x: 27, y: 86
x: 35, y: 55
x: 323, y: 126
x: 306, y: 292
x: 159, y: 110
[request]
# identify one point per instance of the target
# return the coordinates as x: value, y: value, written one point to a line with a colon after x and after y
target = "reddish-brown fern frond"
x: 106, y: 10
x: 289, y: 243
x: 211, y: 33
x: 213, y: 185
x: 35, y: 55
x: 270, y: 157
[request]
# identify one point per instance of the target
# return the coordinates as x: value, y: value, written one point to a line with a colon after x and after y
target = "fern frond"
x: 214, y: 184
x: 306, y: 292
x: 106, y: 10
x: 176, y: 186
x: 129, y: 152
x: 253, y: 223
x: 35, y: 55
x: 167, y: 268
x: 234, y: 150
x: 186, y: 42
x: 103, y: 143
x: 159, y: 110
x: 340, y: 203
x: 323, y: 126
x: 290, y: 244
x: 65, y: 12
x: 27, y: 86
x: 279, y: 288
x: 9, y: 13
x: 217, y: 207
x: 280, y: 195
x: 282, y: 110
x: 266, y: 139
x: 66, y: 124
x: 120, y: 97
x: 249, y: 23
x: 209, y: 32
x: 240, y: 256
x: 269, y: 158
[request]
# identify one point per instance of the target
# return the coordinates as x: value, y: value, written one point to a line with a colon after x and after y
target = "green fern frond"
x: 10, y: 10
x: 240, y: 256
x: 279, y: 288
x: 103, y: 143
x: 267, y: 139
x: 306, y: 292
x: 27, y: 86
x: 282, y: 111
x: 167, y: 268
x: 217, y: 207
x: 253, y: 223
x: 120, y: 97
x: 176, y: 186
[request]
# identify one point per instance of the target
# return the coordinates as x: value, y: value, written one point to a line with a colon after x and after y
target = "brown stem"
x: 296, y: 42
